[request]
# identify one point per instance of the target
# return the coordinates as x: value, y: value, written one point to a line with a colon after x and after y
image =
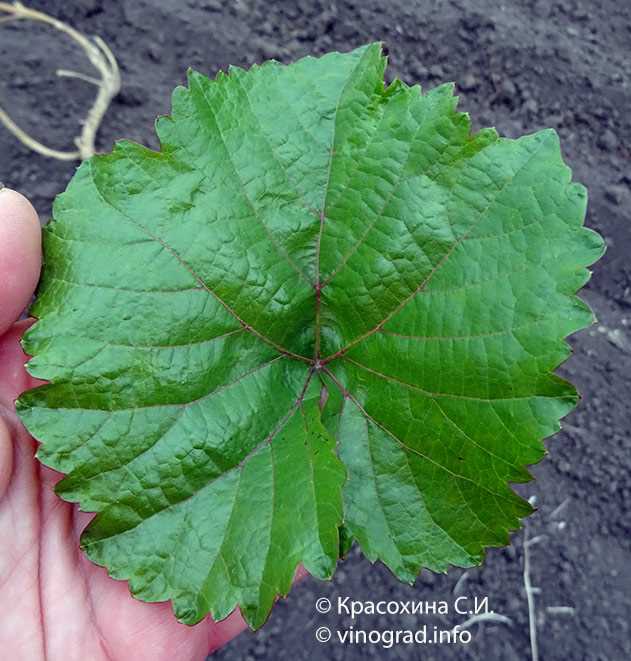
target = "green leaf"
x: 324, y: 304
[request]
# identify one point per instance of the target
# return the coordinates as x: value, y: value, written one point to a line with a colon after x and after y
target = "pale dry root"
x: 108, y: 84
x: 555, y: 524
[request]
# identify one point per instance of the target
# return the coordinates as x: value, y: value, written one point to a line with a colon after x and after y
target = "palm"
x: 54, y: 603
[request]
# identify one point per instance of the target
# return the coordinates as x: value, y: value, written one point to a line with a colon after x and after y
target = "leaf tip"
x: 193, y: 76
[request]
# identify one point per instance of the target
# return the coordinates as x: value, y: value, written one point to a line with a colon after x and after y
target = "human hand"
x: 54, y: 603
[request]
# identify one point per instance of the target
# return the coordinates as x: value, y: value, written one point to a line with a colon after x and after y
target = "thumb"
x: 20, y: 263
x: 20, y: 255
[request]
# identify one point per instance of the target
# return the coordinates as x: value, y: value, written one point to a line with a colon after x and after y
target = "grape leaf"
x: 325, y: 304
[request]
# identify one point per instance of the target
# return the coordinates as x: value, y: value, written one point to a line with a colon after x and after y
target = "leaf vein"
x: 423, y: 284
x: 197, y: 277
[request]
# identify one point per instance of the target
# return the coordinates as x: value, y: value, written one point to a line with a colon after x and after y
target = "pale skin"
x: 54, y: 603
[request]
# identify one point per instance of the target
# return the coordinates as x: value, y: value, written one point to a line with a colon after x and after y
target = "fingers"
x: 14, y: 379
x: 20, y: 255
x: 6, y: 457
x: 20, y: 263
x: 221, y: 633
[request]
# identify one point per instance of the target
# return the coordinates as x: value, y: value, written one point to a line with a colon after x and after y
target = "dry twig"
x: 108, y: 84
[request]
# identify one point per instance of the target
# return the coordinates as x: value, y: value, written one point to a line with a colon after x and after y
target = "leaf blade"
x: 300, y: 221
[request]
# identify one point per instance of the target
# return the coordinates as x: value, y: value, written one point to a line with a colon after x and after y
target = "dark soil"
x: 520, y: 66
